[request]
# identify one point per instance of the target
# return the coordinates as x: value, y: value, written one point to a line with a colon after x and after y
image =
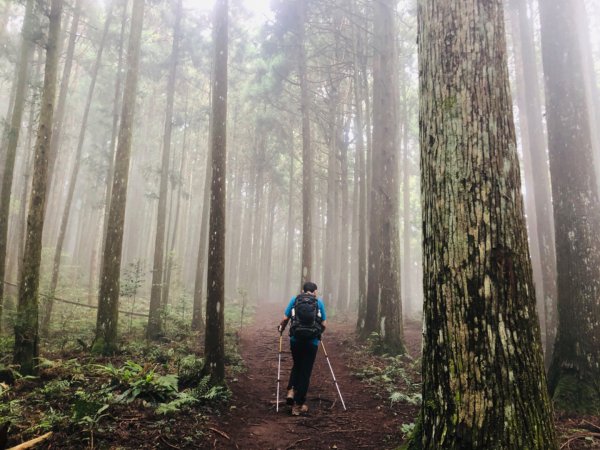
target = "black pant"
x: 304, y: 354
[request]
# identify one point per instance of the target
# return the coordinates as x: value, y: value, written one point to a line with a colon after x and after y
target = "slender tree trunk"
x: 268, y: 244
x: 307, y: 162
x: 214, y: 344
x: 330, y: 247
x: 290, y: 241
x: 154, y: 331
x: 255, y: 253
x: 406, y: 171
x: 59, y: 115
x: 108, y: 299
x: 197, y: 317
x: 115, y: 129
x: 244, y: 261
x: 483, y: 373
x: 27, y: 171
x: 171, y: 254
x: 575, y: 368
x: 26, y: 348
x: 12, y: 139
x: 45, y: 325
x: 344, y: 274
x: 362, y: 184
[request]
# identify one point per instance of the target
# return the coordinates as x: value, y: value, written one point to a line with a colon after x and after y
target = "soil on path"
x: 253, y: 423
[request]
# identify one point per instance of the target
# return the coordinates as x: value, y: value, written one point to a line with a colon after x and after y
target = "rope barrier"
x: 84, y: 305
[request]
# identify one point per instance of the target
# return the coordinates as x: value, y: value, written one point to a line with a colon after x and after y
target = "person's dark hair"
x: 309, y: 286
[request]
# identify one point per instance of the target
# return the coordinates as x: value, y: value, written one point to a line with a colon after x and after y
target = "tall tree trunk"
x: 154, y: 330
x: 115, y: 130
x: 362, y: 183
x: 26, y: 348
x: 536, y: 140
x: 483, y: 374
x: 589, y: 77
x: 197, y: 317
x: 575, y: 368
x: 59, y: 115
x: 214, y: 343
x: 45, y: 325
x: 406, y: 215
x: 330, y: 247
x: 385, y: 175
x: 344, y: 273
x: 27, y: 169
x: 307, y: 162
x: 290, y: 241
x: 174, y: 236
x: 12, y: 139
x: 108, y: 299
x: 268, y: 244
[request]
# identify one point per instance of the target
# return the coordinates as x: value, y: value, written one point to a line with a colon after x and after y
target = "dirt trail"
x: 253, y: 423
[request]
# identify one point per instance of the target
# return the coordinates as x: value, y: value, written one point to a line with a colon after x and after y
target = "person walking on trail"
x: 308, y: 321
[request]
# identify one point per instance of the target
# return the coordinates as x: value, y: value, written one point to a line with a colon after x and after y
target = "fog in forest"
x: 174, y: 171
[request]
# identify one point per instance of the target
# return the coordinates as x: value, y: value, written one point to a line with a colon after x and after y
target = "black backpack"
x: 306, y: 318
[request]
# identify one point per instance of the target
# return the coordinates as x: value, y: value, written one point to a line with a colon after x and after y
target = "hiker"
x: 307, y: 313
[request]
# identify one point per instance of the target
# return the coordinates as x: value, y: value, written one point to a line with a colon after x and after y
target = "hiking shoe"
x: 289, y: 399
x: 299, y: 409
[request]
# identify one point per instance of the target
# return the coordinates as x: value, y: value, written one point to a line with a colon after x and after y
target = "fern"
x: 174, y: 406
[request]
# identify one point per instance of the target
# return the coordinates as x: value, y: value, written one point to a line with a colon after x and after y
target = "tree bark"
x: 12, y: 139
x: 26, y: 348
x: 483, y: 374
x: 214, y: 343
x: 108, y: 299
x: 575, y: 368
x: 154, y: 330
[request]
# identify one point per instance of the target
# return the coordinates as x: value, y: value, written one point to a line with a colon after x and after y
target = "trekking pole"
x: 333, y: 375
x: 279, y: 371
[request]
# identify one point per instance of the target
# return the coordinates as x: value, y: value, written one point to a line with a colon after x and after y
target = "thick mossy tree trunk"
x: 574, y: 374
x: 108, y: 299
x: 26, y: 349
x: 11, y: 138
x: 214, y: 342
x: 154, y: 329
x: 483, y: 375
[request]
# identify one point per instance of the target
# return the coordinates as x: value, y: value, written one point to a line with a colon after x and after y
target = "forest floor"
x: 134, y: 401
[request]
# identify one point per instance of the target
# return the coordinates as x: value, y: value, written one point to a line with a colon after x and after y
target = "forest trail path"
x: 253, y: 423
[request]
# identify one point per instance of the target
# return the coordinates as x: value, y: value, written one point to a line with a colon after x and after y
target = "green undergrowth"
x: 395, y: 379
x: 83, y: 397
x: 393, y: 376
